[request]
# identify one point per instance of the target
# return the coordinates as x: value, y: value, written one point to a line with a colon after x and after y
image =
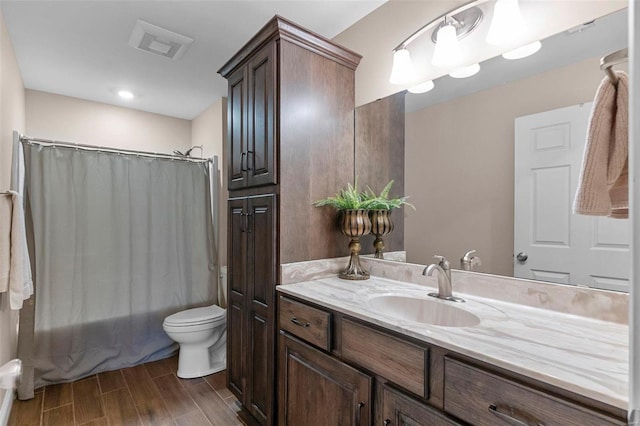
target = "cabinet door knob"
x: 296, y: 321
x: 522, y: 256
x: 493, y: 409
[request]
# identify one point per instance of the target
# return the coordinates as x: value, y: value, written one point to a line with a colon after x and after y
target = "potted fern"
x: 355, y: 223
x: 380, y: 207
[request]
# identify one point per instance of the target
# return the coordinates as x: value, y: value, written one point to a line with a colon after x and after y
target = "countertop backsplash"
x: 574, y: 300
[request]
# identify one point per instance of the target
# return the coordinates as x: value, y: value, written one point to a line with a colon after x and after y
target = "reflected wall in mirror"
x: 459, y: 153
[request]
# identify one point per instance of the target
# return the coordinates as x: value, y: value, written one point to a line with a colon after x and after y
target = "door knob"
x: 522, y: 256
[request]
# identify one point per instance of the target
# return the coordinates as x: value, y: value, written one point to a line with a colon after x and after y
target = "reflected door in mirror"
x: 557, y: 245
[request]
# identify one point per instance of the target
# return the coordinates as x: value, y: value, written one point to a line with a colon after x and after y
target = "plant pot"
x: 355, y: 224
x: 381, y: 225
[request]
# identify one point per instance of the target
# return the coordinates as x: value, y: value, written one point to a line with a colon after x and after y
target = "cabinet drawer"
x: 308, y: 323
x: 401, y: 410
x: 394, y: 359
x: 483, y: 398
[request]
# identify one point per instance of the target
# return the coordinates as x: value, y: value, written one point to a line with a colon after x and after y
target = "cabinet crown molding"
x: 283, y: 29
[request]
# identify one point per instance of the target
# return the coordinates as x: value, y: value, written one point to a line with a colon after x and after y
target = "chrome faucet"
x: 444, y: 279
x: 468, y: 262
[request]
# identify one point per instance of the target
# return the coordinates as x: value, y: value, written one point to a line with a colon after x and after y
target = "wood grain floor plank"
x: 59, y: 416
x: 190, y: 382
x: 119, y: 408
x: 27, y: 413
x: 172, y: 362
x: 57, y: 395
x: 218, y: 381
x: 192, y: 419
x: 87, y: 404
x: 96, y: 422
x: 178, y: 402
x: 111, y: 380
x: 158, y: 368
x: 154, y: 413
x: 233, y: 403
x: 140, y: 383
x: 216, y: 410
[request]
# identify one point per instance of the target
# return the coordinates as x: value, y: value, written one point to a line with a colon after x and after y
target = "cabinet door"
x: 262, y: 86
x: 401, y: 410
x: 237, y: 129
x: 261, y: 296
x: 316, y: 388
x: 237, y: 291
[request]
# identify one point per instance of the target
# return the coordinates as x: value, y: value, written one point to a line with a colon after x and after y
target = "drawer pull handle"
x: 358, y: 412
x: 296, y: 321
x: 507, y: 418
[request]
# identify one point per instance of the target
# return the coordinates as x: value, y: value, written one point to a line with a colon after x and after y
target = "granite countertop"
x: 582, y: 355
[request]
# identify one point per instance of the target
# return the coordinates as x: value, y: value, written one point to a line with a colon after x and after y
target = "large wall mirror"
x: 464, y: 138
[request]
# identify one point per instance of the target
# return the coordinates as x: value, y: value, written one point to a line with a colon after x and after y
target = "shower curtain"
x: 119, y: 242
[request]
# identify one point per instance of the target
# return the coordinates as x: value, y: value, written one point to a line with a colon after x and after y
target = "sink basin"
x: 422, y: 310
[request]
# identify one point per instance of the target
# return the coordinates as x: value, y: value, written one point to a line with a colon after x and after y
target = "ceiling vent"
x: 156, y: 40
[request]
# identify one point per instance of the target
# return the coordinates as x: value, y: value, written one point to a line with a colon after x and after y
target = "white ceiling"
x: 80, y: 48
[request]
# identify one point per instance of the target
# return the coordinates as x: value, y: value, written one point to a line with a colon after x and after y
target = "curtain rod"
x: 99, y: 148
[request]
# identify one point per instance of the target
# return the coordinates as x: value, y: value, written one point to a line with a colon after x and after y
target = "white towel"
x: 603, y: 188
x: 15, y: 266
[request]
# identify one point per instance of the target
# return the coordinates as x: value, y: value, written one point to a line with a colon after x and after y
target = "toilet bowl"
x: 201, y: 334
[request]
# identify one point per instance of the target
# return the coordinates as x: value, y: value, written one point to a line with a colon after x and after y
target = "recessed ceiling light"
x: 125, y: 94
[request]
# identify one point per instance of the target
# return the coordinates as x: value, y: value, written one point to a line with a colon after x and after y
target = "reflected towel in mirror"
x: 603, y: 188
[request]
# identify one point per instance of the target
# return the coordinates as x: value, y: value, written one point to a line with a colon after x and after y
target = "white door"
x: 550, y: 242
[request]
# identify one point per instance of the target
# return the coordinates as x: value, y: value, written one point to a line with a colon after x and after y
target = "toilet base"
x: 202, y: 360
x: 191, y: 373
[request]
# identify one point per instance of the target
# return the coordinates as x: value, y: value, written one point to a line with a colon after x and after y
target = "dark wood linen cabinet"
x: 291, y: 100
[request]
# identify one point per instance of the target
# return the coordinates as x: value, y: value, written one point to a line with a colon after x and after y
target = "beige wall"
x: 378, y: 33
x: 12, y: 117
x: 459, y: 165
x: 209, y: 129
x: 69, y: 119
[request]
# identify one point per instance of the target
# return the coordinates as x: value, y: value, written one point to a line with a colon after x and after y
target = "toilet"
x: 202, y: 335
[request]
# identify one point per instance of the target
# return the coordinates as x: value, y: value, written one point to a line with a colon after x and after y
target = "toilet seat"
x: 208, y: 315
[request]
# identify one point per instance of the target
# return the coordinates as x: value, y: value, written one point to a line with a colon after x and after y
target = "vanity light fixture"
x: 448, y: 51
x: 465, y: 72
x: 524, y: 51
x: 450, y: 28
x: 402, y: 71
x: 125, y: 94
x: 507, y: 27
x: 422, y: 87
x: 507, y: 23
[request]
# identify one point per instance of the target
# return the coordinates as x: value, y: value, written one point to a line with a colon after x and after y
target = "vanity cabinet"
x: 319, y: 389
x: 290, y: 141
x: 481, y: 397
x: 414, y: 383
x: 399, y: 409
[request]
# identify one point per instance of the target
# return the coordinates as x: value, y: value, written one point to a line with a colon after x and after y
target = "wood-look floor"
x: 147, y: 394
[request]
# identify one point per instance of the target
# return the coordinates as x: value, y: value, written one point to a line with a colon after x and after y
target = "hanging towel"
x: 15, y: 266
x: 603, y: 187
